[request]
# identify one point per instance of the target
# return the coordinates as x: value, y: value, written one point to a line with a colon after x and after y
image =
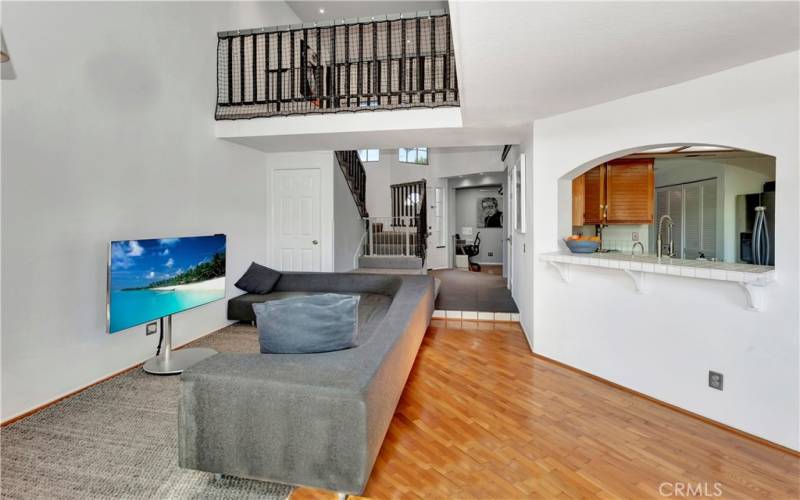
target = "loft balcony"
x: 388, y: 62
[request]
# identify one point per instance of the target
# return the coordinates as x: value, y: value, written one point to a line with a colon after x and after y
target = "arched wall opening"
x: 707, y: 195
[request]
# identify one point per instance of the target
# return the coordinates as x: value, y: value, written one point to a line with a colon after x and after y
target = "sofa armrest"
x: 272, y: 430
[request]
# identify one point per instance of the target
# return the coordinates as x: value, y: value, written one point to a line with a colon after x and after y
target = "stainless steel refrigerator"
x: 755, y: 227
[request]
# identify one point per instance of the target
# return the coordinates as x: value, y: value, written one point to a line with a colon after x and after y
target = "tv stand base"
x: 170, y: 362
x: 177, y: 361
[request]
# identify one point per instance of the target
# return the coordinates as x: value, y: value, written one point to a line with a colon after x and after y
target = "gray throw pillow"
x: 317, y: 323
x: 258, y: 279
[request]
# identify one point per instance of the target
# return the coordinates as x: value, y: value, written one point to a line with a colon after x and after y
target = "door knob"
x: 315, y: 242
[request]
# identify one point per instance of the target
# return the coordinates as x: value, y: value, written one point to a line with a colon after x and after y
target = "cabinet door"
x: 578, y: 200
x: 630, y: 191
x: 594, y: 185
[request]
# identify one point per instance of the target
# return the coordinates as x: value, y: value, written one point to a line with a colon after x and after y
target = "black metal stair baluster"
x: 335, y: 73
x: 360, y: 80
x: 230, y: 70
x: 420, y: 64
x: 318, y: 71
x: 403, y: 43
x: 375, y: 68
x: 291, y: 71
x: 279, y: 74
x: 267, y: 60
x: 446, y: 61
x: 389, y: 61
x: 348, y: 70
x: 432, y: 58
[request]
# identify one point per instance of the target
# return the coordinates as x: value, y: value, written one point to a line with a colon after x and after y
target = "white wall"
x: 348, y: 228
x: 522, y: 273
x: 108, y: 133
x: 466, y: 208
x: 672, y: 335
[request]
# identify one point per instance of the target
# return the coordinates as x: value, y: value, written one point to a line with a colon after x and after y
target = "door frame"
x: 324, y: 161
x: 509, y: 224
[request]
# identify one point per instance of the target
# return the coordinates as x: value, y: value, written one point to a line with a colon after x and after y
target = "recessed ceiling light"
x: 321, y: 11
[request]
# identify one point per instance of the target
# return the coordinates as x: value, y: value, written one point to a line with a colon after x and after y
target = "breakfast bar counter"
x: 750, y: 277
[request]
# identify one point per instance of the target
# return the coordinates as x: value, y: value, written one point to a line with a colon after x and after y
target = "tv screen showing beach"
x: 150, y: 279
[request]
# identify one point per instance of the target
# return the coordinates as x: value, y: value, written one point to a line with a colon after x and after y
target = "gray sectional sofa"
x: 307, y: 419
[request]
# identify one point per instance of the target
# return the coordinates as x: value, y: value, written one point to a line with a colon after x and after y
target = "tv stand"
x: 170, y: 362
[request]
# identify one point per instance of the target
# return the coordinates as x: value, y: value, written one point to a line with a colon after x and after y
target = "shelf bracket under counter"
x: 638, y: 279
x: 752, y: 279
x: 562, y: 268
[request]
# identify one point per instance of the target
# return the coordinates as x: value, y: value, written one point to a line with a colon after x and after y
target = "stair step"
x: 389, y: 262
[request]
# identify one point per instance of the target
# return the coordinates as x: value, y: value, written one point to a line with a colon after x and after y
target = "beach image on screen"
x: 150, y: 279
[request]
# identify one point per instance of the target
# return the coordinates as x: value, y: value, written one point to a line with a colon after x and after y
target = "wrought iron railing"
x: 386, y: 62
x: 353, y: 170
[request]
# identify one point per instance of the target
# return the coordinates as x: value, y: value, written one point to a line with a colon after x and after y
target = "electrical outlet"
x: 715, y: 380
x: 151, y: 328
x: 635, y: 236
x: 491, y: 254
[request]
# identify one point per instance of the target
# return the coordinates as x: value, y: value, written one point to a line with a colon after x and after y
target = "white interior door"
x: 296, y: 219
x: 437, y: 244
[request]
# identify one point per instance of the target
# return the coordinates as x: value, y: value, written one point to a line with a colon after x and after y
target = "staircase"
x: 356, y: 177
x: 398, y: 243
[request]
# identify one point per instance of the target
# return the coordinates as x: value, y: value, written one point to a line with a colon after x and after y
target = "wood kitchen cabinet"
x: 630, y: 189
x: 618, y: 192
x: 588, y: 197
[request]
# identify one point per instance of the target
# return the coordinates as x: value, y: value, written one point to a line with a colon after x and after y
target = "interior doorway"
x: 479, y: 230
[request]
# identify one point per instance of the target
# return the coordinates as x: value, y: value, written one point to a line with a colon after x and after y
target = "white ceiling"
x: 308, y: 10
x: 520, y: 61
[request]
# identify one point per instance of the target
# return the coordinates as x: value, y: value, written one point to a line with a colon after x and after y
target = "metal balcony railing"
x: 386, y: 62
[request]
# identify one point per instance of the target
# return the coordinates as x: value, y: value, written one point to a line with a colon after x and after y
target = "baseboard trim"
x: 68, y: 395
x: 697, y: 416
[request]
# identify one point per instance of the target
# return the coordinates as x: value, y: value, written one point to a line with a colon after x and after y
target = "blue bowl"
x: 582, y: 246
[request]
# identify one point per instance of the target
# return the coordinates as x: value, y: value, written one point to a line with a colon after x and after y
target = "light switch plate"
x: 635, y: 236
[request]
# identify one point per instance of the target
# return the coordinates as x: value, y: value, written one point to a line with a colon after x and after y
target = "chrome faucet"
x: 633, y: 248
x: 659, y: 246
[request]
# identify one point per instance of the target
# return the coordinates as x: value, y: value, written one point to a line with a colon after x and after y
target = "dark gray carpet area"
x: 463, y: 290
x: 118, y: 440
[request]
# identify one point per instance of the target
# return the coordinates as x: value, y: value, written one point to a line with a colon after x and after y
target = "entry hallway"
x: 464, y: 290
x: 481, y: 417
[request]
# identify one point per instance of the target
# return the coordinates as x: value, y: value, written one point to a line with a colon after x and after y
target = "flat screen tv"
x: 152, y: 279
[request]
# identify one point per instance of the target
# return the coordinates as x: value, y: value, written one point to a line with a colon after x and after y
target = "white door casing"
x: 509, y: 222
x: 437, y: 241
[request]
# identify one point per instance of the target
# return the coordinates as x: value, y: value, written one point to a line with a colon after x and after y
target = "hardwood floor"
x: 481, y: 417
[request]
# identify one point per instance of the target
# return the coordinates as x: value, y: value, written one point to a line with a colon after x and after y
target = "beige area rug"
x: 118, y: 440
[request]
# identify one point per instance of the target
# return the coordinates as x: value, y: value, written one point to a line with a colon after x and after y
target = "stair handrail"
x: 356, y: 177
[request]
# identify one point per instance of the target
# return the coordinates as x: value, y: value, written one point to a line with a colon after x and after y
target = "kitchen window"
x: 413, y: 155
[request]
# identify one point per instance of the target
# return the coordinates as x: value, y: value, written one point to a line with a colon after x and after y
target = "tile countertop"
x: 703, y: 269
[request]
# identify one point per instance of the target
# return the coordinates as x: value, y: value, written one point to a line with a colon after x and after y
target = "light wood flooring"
x: 481, y: 417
